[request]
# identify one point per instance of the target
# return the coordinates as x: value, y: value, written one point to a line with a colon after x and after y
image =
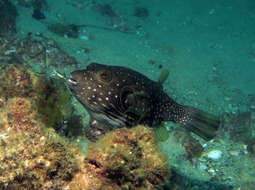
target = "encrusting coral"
x: 34, y: 156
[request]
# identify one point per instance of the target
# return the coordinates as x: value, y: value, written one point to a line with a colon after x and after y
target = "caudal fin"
x: 201, y: 123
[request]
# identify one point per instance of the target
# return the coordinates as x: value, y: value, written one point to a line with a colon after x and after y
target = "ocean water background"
x: 207, y: 46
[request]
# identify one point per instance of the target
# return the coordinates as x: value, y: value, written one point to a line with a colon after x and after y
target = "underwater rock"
x: 50, y: 96
x: 16, y: 80
x: 8, y: 14
x: 123, y: 159
x: 141, y: 12
x: 70, y: 30
x: 239, y: 127
x: 105, y: 10
x: 31, y: 157
x: 38, y: 14
x: 42, y: 53
x: 34, y: 156
x: 115, y: 22
x: 193, y: 147
x: 215, y: 154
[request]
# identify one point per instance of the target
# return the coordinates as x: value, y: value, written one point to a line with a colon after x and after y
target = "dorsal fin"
x: 163, y: 76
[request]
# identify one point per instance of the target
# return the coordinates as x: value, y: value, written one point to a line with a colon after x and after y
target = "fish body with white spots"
x: 117, y: 97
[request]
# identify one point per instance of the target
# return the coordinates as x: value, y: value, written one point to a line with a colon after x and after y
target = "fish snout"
x: 72, y: 81
x: 75, y: 77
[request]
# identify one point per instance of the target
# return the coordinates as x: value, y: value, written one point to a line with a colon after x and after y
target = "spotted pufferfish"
x: 117, y: 97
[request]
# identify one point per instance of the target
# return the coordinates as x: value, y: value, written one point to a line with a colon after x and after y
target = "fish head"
x: 111, y: 93
x: 89, y: 85
x: 94, y: 88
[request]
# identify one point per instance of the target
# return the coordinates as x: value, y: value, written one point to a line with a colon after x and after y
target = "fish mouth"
x: 72, y: 81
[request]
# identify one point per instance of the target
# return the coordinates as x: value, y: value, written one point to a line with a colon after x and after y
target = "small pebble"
x: 84, y: 37
x: 234, y: 153
x: 212, y: 171
x: 202, y: 166
x: 227, y: 98
x: 42, y: 138
x: 214, y: 154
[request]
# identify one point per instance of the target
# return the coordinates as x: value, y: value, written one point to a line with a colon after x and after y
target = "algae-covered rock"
x: 17, y: 80
x: 123, y: 159
x: 38, y: 52
x: 34, y: 156
x: 51, y: 97
x: 55, y: 104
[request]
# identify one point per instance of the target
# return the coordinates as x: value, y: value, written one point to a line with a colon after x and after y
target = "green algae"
x: 55, y: 104
x: 161, y: 133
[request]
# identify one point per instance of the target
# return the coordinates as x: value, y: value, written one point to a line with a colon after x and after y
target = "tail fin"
x: 201, y: 123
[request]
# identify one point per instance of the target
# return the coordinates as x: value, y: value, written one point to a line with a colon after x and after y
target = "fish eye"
x: 105, y: 76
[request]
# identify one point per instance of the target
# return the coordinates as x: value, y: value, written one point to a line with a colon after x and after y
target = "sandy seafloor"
x: 208, y: 48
